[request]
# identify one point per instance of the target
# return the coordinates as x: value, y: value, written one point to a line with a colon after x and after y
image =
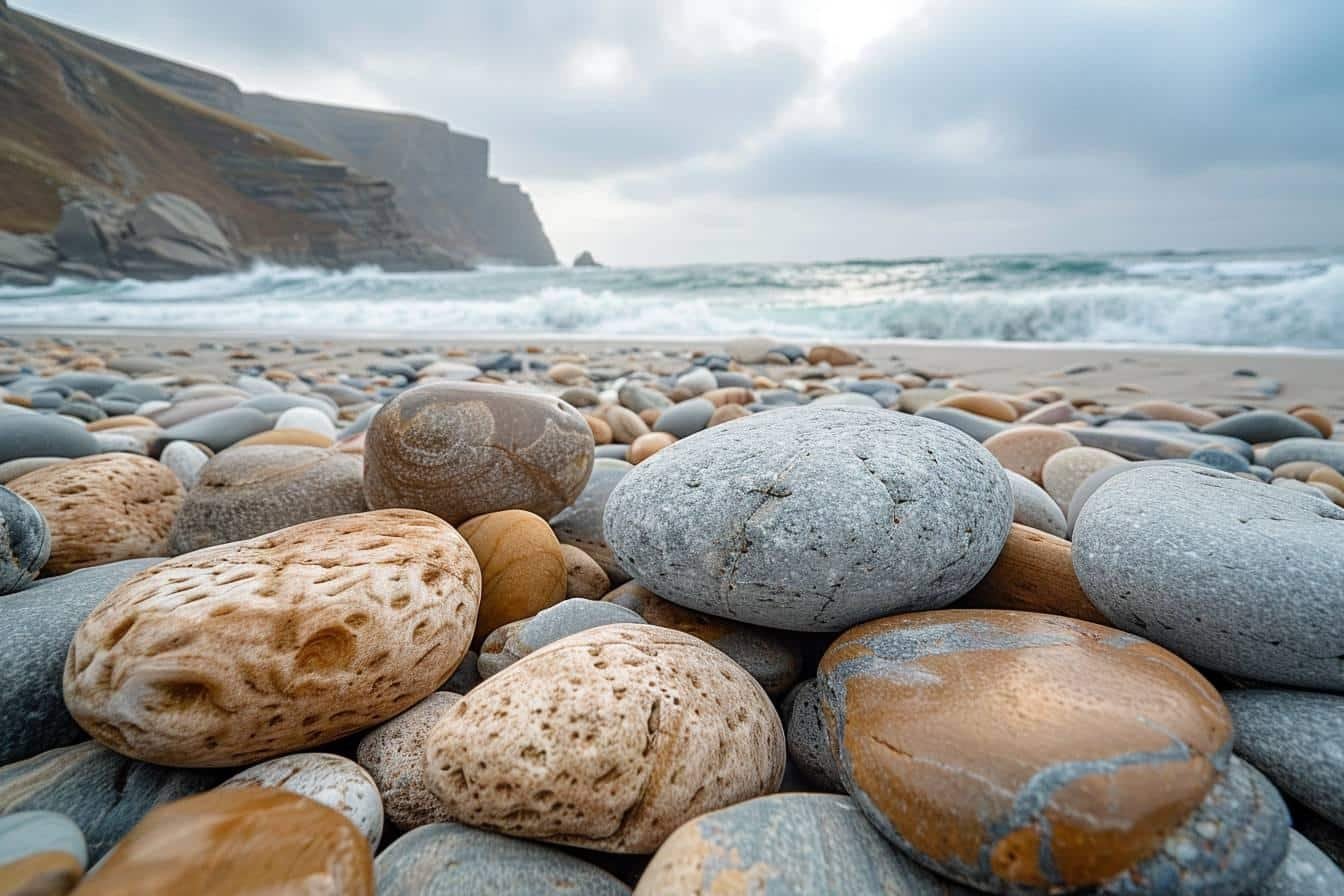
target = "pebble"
x: 329, y: 779
x: 686, y: 418
x: 1178, y: 554
x: 833, y: 355
x: 808, y: 742
x: 40, y: 435
x: 996, y: 806
x: 40, y: 853
x: 25, y: 542
x: 453, y: 858
x: 451, y: 370
x: 510, y: 643
x: 1158, y: 409
x: 769, y: 656
x: 612, y: 452
x: 220, y: 429
x: 566, y: 374
x: 638, y: 398
x: 781, y: 500
x: 749, y: 349
x: 646, y: 446
x: 982, y: 405
x: 698, y: 381
x: 13, y: 469
x: 522, y: 567
x: 102, y: 792
x: 580, y: 525
x: 584, y: 578
x: 1262, y: 426
x: 1297, y: 739
x: 580, y: 397
x: 103, y: 508
x: 1329, y: 453
x: 1134, y: 444
x: 727, y: 414
x: 982, y: 429
x: 1221, y: 460
x: 1025, y: 449
x: 186, y: 461
x: 258, y: 840
x: 1034, y: 572
x: 1318, y: 421
x: 1305, y: 871
x: 1064, y: 471
x: 600, y: 428
x: 393, y: 754
x: 184, y: 409
x: 1033, y: 507
x: 310, y: 419
x: 609, y: 739
x: 461, y: 450
x: 250, y: 490
x: 253, y: 649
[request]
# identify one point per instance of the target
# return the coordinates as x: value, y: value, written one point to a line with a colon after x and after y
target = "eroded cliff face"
x: 441, y: 176
x: 78, y: 128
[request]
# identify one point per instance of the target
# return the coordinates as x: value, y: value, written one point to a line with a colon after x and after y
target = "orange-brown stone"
x: 52, y: 873
x: 646, y: 446
x: 1024, y: 449
x: 243, y: 840
x: 983, y: 405
x: 1034, y: 572
x: 523, y: 569
x: 1048, y: 753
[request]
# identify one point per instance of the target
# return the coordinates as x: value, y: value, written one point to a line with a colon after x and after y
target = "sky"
x: 670, y: 131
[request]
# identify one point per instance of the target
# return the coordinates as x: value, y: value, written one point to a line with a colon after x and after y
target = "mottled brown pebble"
x: 522, y: 567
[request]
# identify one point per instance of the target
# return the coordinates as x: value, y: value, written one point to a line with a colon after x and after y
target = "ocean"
x: 1288, y: 299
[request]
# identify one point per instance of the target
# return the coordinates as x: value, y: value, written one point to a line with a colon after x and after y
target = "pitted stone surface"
x: 394, y: 756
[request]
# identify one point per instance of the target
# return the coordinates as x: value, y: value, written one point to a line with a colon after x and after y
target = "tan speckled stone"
x: 601, y: 429
x: 103, y: 508
x: 608, y: 739
x: 626, y: 425
x: 394, y: 756
x: 249, y: 650
x: 583, y: 576
x: 647, y: 446
x: 1065, y: 470
x: 522, y: 567
x: 460, y: 450
x: 1025, y: 449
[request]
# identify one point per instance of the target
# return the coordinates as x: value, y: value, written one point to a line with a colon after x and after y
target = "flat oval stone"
x: 646, y: 446
x: 185, y: 460
x: 808, y: 742
x: 522, y: 567
x: 686, y: 418
x: 43, y: 435
x: 510, y: 643
x: 220, y: 429
x: 250, y: 650
x: 24, y: 834
x: 1033, y: 507
x: 1158, y: 409
x: 813, y: 519
x: 244, y: 840
x: 1034, y: 572
x: 1025, y: 449
x: 771, y: 657
x: 1325, y: 452
x: 580, y: 525
x: 1133, y: 444
x: 248, y: 491
x: 103, y: 793
x: 982, y: 405
x: 1098, y: 744
x: 329, y: 779
x: 584, y: 578
x: 790, y: 844
x: 394, y: 756
x: 608, y: 739
x: 278, y: 404
x: 39, y: 624
x: 104, y: 508
x: 11, y: 470
x: 447, y: 859
x: 1305, y: 871
x: 1295, y: 738
x: 982, y: 429
x: 310, y: 419
x: 461, y: 450
x: 25, y: 542
x: 1262, y: 426
x: 1066, y: 470
x: 1178, y: 553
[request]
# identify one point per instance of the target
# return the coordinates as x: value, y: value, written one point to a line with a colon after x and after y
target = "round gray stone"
x: 1221, y: 460
x: 1229, y: 573
x: 813, y: 519
x: 685, y: 418
x: 697, y: 381
x: 1297, y: 739
x: 639, y: 398
x: 1262, y: 426
x: 1305, y: 871
x: 808, y: 743
x: 104, y: 794
x: 612, y: 452
x: 44, y: 435
x: 580, y: 524
x: 186, y: 461
x: 465, y: 677
x: 1033, y: 507
x: 1330, y: 453
x: 25, y: 542
x: 452, y: 860
x: 792, y: 844
x: 220, y: 429
x: 254, y: 489
x: 38, y: 624
x: 24, y: 834
x: 509, y: 643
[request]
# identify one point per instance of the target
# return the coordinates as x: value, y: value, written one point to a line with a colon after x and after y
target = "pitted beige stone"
x: 245, y: 651
x: 608, y: 739
x: 394, y: 756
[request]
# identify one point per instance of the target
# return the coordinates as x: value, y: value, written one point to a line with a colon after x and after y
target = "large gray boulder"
x: 813, y: 519
x: 28, y: 260
x: 1231, y: 574
x: 170, y: 236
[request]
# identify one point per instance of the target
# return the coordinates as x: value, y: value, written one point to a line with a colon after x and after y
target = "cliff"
x: 79, y: 129
x: 441, y: 176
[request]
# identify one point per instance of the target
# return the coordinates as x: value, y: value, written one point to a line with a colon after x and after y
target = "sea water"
x: 1291, y: 299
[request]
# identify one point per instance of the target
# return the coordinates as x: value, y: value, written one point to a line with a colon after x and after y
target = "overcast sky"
x: 727, y: 130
